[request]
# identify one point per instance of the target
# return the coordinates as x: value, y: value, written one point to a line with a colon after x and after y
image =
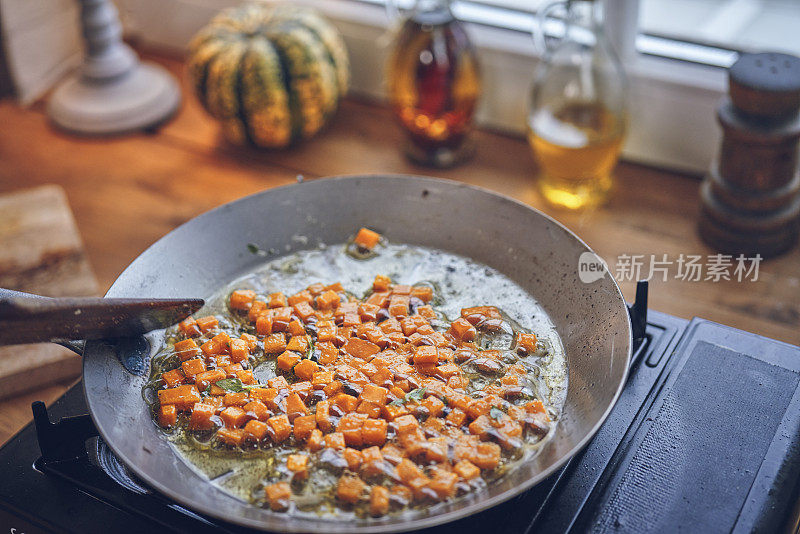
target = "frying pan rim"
x: 396, y: 526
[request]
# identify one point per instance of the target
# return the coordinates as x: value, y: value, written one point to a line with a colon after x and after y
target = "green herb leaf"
x: 495, y: 413
x: 415, y: 395
x: 253, y: 248
x: 398, y: 402
x: 231, y: 384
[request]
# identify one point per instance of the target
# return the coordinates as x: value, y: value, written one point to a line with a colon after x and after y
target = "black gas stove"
x: 704, y: 438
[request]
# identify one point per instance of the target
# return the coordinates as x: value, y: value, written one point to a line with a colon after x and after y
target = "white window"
x: 674, y: 52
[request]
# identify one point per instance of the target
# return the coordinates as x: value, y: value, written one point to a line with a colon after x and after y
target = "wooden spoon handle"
x: 26, y: 318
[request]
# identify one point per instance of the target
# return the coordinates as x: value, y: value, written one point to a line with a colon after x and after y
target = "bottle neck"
x: 432, y: 5
x: 432, y: 12
x: 584, y: 15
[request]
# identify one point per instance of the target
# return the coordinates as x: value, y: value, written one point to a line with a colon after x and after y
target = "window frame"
x: 671, y: 101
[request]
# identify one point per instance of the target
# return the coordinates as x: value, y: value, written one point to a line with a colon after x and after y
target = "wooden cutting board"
x: 40, y: 252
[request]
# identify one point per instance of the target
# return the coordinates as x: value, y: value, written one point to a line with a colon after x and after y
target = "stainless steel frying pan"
x: 527, y: 246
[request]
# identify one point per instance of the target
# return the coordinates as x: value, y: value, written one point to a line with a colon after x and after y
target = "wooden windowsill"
x: 127, y: 192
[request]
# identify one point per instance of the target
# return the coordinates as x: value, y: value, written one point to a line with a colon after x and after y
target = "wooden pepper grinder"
x: 751, y: 196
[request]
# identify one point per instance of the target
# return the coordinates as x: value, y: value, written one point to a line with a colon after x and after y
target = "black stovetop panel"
x: 705, y: 437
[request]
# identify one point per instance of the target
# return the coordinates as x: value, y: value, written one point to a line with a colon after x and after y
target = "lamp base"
x: 142, y: 98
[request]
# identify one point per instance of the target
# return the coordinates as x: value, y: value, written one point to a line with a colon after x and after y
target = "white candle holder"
x: 113, y: 92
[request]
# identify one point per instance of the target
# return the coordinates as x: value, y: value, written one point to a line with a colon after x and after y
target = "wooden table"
x: 128, y: 192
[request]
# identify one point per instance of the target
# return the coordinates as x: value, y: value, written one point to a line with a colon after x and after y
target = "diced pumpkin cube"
x: 426, y: 355
x: 370, y: 409
x: 433, y: 405
x: 246, y: 377
x: 426, y: 312
x: 256, y: 409
x: 346, y: 403
x: 335, y: 440
x: 186, y: 349
x: 305, y: 369
x: 206, y: 324
x: 304, y: 311
x: 287, y: 360
x: 242, y: 299
x: 278, y: 495
x: 296, y: 328
x: 280, y: 427
x: 193, y: 366
x: 366, y: 238
x: 328, y: 300
x: 278, y: 300
x: 369, y: 312
x: 391, y: 412
x: 183, y: 397
x: 456, y: 417
x: 378, y: 501
x: 281, y: 318
x: 295, y: 406
x: 239, y: 350
x: 423, y: 293
x: 298, y: 344
x: 486, y: 455
x: 278, y: 382
x: 375, y: 394
x: 298, y: 464
x: 350, y: 427
x: 256, y: 429
x: 323, y: 417
x: 373, y: 431
x: 231, y: 436
x: 332, y: 389
x: 303, y: 296
x: 238, y: 398
x: 466, y: 470
x: 303, y: 426
x: 173, y: 378
x: 264, y: 325
x: 320, y: 379
x: 447, y: 370
x: 201, y: 416
x: 462, y: 330
x: 398, y: 306
x: 352, y: 457
x: 444, y: 484
x: 349, y: 489
x: 205, y: 379
x: 381, y: 283
x: 167, y: 415
x: 361, y: 348
x: 189, y: 327
x: 406, y: 423
x: 266, y: 395
x: 526, y: 342
x: 257, y: 308
x: 379, y: 298
x: 408, y: 471
x: 303, y: 389
x: 478, y: 407
x: 233, y: 416
x: 314, y: 442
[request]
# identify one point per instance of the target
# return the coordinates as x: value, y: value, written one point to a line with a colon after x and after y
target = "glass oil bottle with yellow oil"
x: 577, y: 112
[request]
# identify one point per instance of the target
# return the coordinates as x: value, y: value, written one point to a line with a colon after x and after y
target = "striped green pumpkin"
x: 271, y: 74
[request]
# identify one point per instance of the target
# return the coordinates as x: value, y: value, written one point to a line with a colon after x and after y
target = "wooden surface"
x: 128, y: 192
x: 41, y: 253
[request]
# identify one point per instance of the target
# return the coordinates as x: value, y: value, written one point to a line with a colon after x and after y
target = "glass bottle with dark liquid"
x: 434, y: 84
